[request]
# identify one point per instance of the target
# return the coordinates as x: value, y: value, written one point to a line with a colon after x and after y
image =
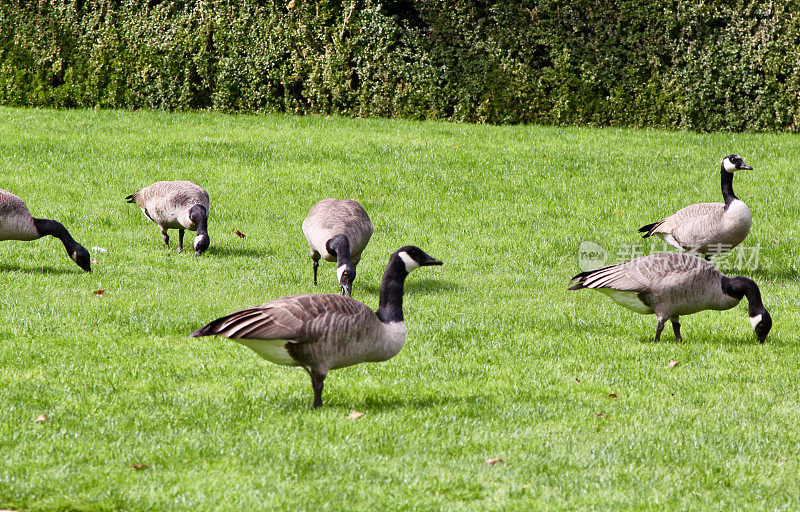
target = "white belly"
x: 628, y: 300
x: 273, y: 351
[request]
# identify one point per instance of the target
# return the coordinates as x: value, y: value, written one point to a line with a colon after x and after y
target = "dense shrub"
x: 697, y: 64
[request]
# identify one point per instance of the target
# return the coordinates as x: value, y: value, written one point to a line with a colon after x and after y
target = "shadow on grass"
x: 242, y: 252
x: 716, y: 340
x: 4, y: 267
x: 419, y: 286
x: 390, y: 403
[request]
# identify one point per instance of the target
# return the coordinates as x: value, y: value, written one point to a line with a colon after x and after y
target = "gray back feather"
x: 16, y: 222
x: 331, y: 217
x: 670, y: 283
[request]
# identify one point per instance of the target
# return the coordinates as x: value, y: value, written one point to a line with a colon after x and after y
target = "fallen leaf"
x: 612, y: 395
x: 492, y: 462
x: 41, y: 418
x: 672, y: 364
x: 617, y: 211
x: 239, y: 234
x: 774, y: 240
x: 601, y: 415
x: 354, y: 415
x: 526, y: 486
x: 99, y: 292
x: 139, y: 467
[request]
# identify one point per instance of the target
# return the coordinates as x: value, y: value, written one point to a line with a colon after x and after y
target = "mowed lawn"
x: 501, y: 361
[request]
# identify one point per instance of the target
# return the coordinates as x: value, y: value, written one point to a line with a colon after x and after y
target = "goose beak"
x: 431, y: 261
x: 745, y: 167
x: 347, y: 289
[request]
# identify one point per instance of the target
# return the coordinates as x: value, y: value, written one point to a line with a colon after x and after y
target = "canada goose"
x: 178, y: 205
x: 673, y: 284
x: 323, y: 332
x: 338, y: 231
x: 16, y: 223
x: 705, y: 227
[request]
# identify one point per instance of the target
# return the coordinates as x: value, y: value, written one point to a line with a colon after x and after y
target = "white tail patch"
x: 410, y: 263
x: 754, y: 320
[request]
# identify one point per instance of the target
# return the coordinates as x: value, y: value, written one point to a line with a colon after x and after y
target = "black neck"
x: 390, y: 307
x: 53, y: 228
x: 339, y: 246
x: 738, y: 287
x: 199, y: 215
x: 727, y: 187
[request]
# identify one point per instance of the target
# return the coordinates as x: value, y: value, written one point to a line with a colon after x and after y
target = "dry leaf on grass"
x: 493, y: 461
x: 41, y: 418
x: 139, y: 467
x: 612, y: 395
x: 354, y: 415
x: 99, y: 292
x: 601, y: 415
x: 672, y: 364
x: 239, y: 234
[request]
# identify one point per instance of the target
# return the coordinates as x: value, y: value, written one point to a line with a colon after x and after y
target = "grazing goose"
x: 705, y: 227
x: 338, y: 231
x: 673, y: 284
x: 323, y: 332
x: 178, y: 205
x: 16, y: 223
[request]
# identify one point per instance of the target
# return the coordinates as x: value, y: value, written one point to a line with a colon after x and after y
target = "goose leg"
x: 317, y: 382
x: 676, y: 326
x: 315, y: 266
x: 166, y: 236
x: 659, y: 328
x: 180, y: 239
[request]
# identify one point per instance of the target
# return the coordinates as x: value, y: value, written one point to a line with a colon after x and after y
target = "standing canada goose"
x: 672, y: 284
x: 338, y: 231
x: 16, y: 223
x: 705, y: 227
x: 323, y: 332
x: 178, y: 205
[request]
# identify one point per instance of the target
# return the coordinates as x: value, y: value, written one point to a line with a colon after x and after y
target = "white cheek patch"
x: 409, y: 261
x: 198, y: 239
x: 728, y: 165
x: 339, y: 271
x: 754, y: 320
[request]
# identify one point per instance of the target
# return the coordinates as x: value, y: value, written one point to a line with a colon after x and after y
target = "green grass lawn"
x: 500, y: 361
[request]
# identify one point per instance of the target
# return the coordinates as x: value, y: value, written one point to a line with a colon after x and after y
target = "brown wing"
x: 299, y: 318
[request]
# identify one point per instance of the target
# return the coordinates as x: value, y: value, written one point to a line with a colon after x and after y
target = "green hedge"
x: 696, y: 64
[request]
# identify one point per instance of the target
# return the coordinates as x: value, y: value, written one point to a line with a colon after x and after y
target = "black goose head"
x: 346, y: 274
x: 733, y: 163
x: 762, y: 323
x: 81, y: 257
x: 201, y: 243
x: 413, y: 257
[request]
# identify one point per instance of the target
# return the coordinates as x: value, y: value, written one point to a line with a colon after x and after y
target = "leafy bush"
x: 668, y: 63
